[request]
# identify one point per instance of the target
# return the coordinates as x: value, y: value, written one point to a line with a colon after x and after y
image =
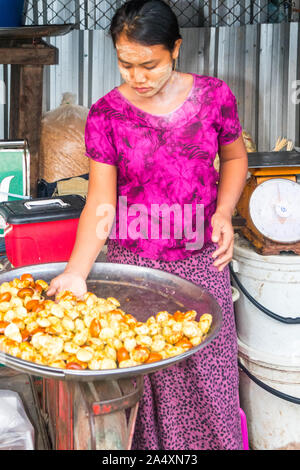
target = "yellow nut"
x: 58, y: 364
x: 110, y: 352
x: 196, y: 340
x: 205, y: 322
x: 141, y: 329
x: 190, y: 329
x: 88, y: 320
x: 129, y: 344
x: 84, y: 355
x: 81, y: 337
x: 106, y: 333
x: 154, y: 329
x: 43, y: 322
x: 68, y: 324
x: 4, y: 306
x: 162, y: 316
x: 42, y: 283
x: 114, y: 301
x: 151, y: 321
x: 71, y: 348
x: 12, y: 332
x: 95, y: 364
x: 96, y: 342
x: 128, y: 363
x: 108, y: 364
x: 144, y: 340
x: 158, y: 343
x: 171, y: 336
x: 57, y: 311
x: 9, y: 316
x: 79, y: 325
x: 115, y: 343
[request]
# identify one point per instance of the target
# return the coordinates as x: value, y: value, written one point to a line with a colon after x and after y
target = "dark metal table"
x: 89, y: 409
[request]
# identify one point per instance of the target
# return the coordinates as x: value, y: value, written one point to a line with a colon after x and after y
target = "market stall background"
x: 253, y: 46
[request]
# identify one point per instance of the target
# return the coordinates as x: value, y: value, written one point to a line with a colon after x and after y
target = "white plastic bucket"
x: 273, y: 282
x: 273, y: 421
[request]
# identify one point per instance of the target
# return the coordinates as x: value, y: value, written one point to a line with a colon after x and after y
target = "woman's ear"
x: 175, y: 51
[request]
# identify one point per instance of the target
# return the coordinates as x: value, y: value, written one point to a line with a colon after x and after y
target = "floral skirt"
x: 194, y: 404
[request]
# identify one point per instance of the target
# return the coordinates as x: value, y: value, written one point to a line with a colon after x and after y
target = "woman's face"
x: 146, y: 69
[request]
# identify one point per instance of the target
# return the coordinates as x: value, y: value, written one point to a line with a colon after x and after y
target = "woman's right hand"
x: 70, y: 281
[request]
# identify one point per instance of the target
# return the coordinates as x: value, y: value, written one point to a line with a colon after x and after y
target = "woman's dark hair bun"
x: 149, y: 22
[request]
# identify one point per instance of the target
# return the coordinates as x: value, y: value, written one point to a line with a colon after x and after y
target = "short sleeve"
x: 99, y: 137
x: 230, y: 126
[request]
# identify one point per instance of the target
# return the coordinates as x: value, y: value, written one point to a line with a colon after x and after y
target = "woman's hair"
x: 148, y: 22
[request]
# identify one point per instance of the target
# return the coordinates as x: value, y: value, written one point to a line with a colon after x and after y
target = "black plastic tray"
x: 273, y: 159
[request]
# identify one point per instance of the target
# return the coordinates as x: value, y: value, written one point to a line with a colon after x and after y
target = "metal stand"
x: 98, y: 415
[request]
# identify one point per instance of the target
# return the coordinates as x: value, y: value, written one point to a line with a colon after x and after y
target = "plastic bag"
x: 249, y: 142
x: 16, y: 431
x: 62, y: 148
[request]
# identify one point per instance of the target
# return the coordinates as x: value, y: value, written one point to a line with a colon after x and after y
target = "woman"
x: 153, y: 140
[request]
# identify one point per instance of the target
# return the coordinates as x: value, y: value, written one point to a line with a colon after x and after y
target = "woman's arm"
x: 102, y: 190
x: 233, y: 174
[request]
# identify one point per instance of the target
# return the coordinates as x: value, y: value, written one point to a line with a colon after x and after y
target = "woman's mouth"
x: 142, y: 90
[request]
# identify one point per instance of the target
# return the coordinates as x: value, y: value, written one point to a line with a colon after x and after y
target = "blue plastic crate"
x: 11, y: 13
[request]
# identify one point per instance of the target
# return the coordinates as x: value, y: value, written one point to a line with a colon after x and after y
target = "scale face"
x: 274, y: 208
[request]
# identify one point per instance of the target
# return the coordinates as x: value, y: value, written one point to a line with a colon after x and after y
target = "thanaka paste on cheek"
x: 154, y: 79
x: 160, y: 77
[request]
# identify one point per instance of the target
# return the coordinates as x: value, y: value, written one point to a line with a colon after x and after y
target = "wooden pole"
x: 26, y: 98
x: 27, y: 61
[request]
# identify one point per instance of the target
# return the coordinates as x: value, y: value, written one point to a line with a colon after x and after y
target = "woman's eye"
x: 124, y: 66
x: 150, y: 68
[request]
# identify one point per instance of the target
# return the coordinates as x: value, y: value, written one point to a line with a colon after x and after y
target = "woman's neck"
x: 172, y: 94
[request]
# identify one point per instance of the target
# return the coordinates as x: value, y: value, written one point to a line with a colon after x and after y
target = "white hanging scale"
x: 270, y: 202
x: 275, y: 210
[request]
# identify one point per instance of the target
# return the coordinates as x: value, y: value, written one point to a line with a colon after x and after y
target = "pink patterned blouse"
x: 167, y: 184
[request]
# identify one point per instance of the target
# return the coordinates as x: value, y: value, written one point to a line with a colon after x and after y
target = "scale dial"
x: 274, y: 208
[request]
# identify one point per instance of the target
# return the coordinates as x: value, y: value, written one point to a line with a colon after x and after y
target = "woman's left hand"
x: 222, y: 234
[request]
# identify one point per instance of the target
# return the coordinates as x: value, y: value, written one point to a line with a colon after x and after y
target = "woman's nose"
x: 138, y: 76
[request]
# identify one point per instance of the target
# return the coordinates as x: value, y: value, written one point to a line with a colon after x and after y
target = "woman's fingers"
x: 222, y: 250
x: 225, y: 242
x: 53, y: 287
x: 222, y: 234
x: 222, y: 262
x: 216, y: 234
x: 67, y: 281
x: 224, y: 259
x: 220, y: 268
x: 217, y: 230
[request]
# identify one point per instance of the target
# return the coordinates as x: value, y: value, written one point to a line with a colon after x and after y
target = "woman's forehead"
x: 131, y: 51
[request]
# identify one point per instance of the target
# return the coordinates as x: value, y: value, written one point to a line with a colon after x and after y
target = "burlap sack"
x: 75, y: 185
x: 62, y: 149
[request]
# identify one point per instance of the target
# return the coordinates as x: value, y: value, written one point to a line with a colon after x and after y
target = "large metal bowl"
x: 142, y: 292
